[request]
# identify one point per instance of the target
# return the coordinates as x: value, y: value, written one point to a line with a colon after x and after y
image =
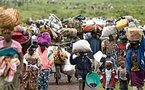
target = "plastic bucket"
x: 93, y: 79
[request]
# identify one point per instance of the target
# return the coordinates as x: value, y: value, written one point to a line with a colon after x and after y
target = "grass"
x: 135, y: 8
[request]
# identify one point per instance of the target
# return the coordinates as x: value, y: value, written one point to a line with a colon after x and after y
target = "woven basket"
x: 9, y: 18
x: 134, y: 34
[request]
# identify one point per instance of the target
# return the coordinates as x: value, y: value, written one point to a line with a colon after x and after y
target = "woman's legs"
x: 43, y: 80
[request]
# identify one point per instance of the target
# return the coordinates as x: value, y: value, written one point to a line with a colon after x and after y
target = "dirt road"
x: 63, y: 85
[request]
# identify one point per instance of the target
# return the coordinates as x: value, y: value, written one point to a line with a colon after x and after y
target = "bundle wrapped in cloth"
x: 8, y: 63
x: 8, y: 67
x: 70, y: 32
x: 134, y: 34
x: 121, y: 24
x: 81, y: 46
x: 90, y: 28
x: 108, y: 30
x: 60, y: 56
x: 9, y: 17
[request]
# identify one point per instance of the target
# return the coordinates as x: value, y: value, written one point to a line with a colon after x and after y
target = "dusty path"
x: 64, y: 85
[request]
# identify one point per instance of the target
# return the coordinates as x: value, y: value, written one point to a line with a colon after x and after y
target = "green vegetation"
x: 70, y: 8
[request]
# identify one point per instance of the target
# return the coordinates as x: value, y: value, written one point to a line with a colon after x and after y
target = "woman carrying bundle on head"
x: 135, y: 60
x: 7, y: 25
x: 46, y: 60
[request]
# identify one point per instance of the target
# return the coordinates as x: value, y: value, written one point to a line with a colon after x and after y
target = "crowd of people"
x: 123, y: 57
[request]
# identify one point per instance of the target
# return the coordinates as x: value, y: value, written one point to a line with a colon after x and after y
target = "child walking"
x: 83, y: 66
x: 109, y: 76
x: 123, y: 76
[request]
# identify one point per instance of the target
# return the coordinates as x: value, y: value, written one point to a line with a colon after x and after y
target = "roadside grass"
x: 38, y: 8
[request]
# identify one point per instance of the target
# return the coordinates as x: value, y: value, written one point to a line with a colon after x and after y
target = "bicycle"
x: 59, y: 62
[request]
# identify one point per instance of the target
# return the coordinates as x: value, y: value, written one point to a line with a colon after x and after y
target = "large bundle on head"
x: 134, y: 34
x: 44, y: 39
x: 109, y: 30
x: 9, y: 17
x: 69, y: 32
x: 121, y: 24
x: 90, y: 28
x: 81, y: 46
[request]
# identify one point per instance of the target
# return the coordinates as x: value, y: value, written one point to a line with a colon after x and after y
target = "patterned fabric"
x: 44, y: 38
x: 42, y: 80
x: 30, y: 80
x: 135, y: 65
x: 110, y: 47
x: 30, y: 77
x: 122, y: 74
x: 16, y: 81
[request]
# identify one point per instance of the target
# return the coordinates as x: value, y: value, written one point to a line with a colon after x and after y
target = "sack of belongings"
x: 109, y: 30
x: 121, y: 24
x: 68, y: 32
x: 81, y: 46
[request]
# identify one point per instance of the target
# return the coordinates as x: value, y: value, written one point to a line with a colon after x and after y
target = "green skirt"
x: 14, y: 85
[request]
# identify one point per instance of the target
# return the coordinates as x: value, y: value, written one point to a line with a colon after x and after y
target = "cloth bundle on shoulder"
x: 134, y: 34
x: 44, y: 38
x: 81, y: 46
x: 9, y: 17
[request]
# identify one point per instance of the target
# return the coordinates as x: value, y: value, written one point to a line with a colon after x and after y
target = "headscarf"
x: 44, y: 39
